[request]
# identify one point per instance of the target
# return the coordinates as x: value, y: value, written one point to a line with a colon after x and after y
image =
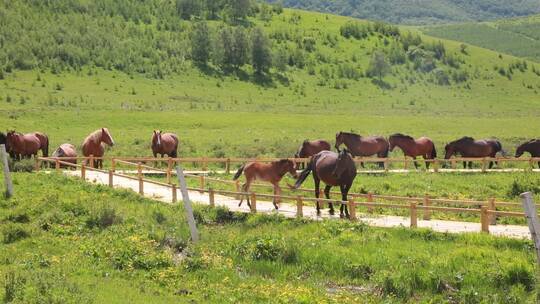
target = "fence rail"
x: 487, y: 209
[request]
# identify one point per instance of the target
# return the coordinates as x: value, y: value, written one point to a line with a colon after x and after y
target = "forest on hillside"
x: 420, y: 12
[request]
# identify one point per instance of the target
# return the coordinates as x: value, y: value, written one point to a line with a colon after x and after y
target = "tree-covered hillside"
x: 420, y: 12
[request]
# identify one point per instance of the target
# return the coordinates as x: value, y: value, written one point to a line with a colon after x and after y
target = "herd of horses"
x: 332, y: 168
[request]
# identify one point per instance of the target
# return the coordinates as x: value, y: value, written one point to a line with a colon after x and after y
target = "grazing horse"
x: 363, y: 146
x: 334, y: 169
x: 44, y: 143
x: 272, y: 173
x: 468, y: 147
x: 92, y: 145
x: 310, y: 148
x: 420, y: 147
x: 23, y: 145
x: 66, y: 150
x: 532, y: 146
x: 164, y: 144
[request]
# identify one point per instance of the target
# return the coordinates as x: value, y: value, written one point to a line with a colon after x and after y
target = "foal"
x: 272, y: 173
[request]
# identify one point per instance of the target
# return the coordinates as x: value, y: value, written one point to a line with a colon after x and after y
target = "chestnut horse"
x: 363, y: 146
x: 532, y: 146
x: 164, y: 144
x: 26, y: 145
x: 468, y: 147
x: 420, y: 147
x: 66, y: 150
x: 92, y: 145
x: 272, y: 173
x: 334, y: 169
x: 310, y: 148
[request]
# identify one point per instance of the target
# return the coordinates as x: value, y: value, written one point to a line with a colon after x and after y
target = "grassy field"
x: 68, y: 242
x: 518, y: 37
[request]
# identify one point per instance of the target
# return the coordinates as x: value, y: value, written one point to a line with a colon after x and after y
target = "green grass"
x: 518, y: 37
x: 79, y: 243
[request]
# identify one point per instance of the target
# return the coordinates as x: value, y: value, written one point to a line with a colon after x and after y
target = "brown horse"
x: 420, y: 147
x: 92, y: 145
x: 164, y: 144
x: 66, y: 150
x: 272, y: 173
x: 334, y: 170
x: 3, y: 141
x: 468, y: 147
x: 532, y: 146
x: 310, y: 148
x: 363, y: 146
x: 24, y: 145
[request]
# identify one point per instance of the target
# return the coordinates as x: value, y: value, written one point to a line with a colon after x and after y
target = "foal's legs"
x: 327, y: 194
x: 245, y: 189
x: 277, y: 193
x: 317, y: 184
x: 344, y: 192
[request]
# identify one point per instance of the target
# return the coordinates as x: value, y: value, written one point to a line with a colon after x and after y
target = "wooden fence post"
x: 453, y: 163
x: 174, y: 193
x: 201, y: 183
x: 484, y: 219
x: 352, y: 209
x: 187, y: 204
x: 7, y: 174
x: 405, y: 163
x: 111, y: 175
x: 386, y: 165
x: 83, y: 172
x: 169, y: 169
x: 205, y: 164
x: 436, y: 165
x: 299, y: 207
x: 141, y: 182
x: 113, y: 164
x: 532, y: 220
x: 228, y: 166
x: 57, y: 164
x: 237, y: 189
x: 414, y: 216
x: 36, y: 164
x: 211, y: 197
x: 492, y: 207
x: 91, y: 160
x: 427, y: 211
x: 484, y: 164
x: 253, y: 202
x: 370, y: 200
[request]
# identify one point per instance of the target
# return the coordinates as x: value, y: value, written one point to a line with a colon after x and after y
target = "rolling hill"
x: 518, y: 36
x: 70, y: 67
x: 420, y: 12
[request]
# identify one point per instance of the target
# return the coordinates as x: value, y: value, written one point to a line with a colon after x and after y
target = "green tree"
x: 201, y: 46
x: 239, y: 9
x: 281, y: 59
x: 188, y: 8
x: 261, y: 56
x: 378, y: 66
x: 241, y: 47
x: 225, y: 49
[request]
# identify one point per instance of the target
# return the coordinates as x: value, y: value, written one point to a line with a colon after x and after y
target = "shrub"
x: 524, y: 184
x: 441, y: 77
x: 14, y: 232
x: 268, y: 248
x: 103, y: 218
x: 359, y: 271
x: 516, y: 273
x: 355, y: 29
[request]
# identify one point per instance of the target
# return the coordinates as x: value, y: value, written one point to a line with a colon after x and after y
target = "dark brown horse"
x: 164, y: 144
x: 272, y: 173
x: 422, y: 146
x: 92, y: 145
x: 3, y: 141
x: 334, y: 169
x: 363, y: 146
x: 468, y: 147
x: 310, y: 148
x: 532, y: 146
x: 25, y: 145
x: 66, y: 150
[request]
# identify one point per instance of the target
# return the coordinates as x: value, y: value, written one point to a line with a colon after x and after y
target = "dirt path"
x: 164, y: 194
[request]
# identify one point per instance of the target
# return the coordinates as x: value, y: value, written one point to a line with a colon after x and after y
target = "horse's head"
x: 290, y: 166
x: 449, y: 150
x: 343, y: 163
x: 520, y: 150
x: 157, y: 137
x: 106, y: 137
x: 58, y: 153
x: 392, y: 142
x: 339, y: 140
x: 2, y: 138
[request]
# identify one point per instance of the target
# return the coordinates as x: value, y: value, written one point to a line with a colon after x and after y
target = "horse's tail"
x: 433, y: 151
x: 239, y: 172
x: 304, y: 174
x: 45, y: 147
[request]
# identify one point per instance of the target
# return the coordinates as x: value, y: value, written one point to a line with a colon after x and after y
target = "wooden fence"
x: 486, y: 209
x: 203, y: 162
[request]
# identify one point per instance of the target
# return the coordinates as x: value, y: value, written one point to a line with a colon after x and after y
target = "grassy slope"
x: 224, y: 115
x: 68, y: 257
x: 518, y: 37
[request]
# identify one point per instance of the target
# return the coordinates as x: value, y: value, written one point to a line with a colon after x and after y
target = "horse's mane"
x: 402, y: 136
x: 350, y: 134
x: 465, y: 138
